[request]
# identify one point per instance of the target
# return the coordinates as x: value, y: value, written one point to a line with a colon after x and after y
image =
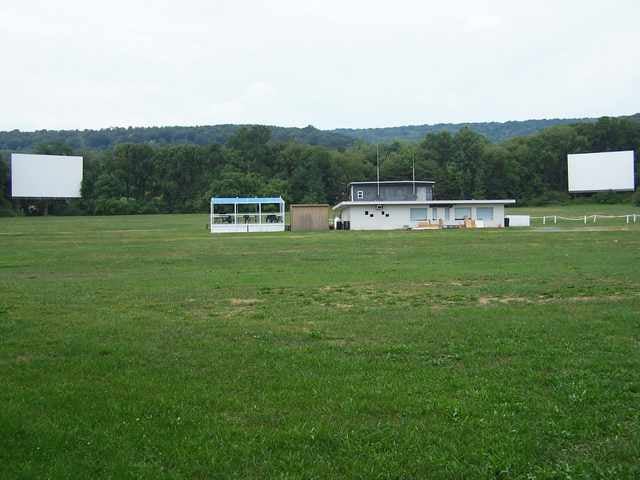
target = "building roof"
x: 252, y: 200
x: 383, y: 182
x: 426, y: 203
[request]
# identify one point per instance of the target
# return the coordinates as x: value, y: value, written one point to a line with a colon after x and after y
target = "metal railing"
x: 246, y: 218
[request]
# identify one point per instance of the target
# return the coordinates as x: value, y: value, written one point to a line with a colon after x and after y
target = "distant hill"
x: 495, y: 131
x: 16, y: 140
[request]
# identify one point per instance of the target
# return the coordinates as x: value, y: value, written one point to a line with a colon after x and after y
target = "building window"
x: 417, y: 214
x: 484, y: 213
x: 462, y: 212
x: 360, y: 195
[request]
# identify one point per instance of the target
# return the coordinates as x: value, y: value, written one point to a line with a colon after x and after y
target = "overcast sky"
x: 93, y: 64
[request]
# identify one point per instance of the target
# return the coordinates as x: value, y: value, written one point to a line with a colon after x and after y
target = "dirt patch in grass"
x: 541, y: 300
x: 24, y: 359
x: 485, y: 300
x: 343, y: 306
x: 507, y: 300
x: 243, y: 302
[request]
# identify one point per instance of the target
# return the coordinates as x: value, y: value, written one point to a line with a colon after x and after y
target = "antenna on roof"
x: 378, y: 168
x: 414, y: 171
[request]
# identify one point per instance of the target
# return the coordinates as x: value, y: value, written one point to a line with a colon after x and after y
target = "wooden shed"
x: 310, y: 216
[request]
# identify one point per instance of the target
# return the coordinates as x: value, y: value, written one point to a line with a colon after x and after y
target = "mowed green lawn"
x: 577, y: 212
x: 145, y: 347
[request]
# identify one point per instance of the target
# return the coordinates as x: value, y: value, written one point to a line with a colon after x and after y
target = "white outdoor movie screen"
x: 597, y: 172
x: 45, y: 176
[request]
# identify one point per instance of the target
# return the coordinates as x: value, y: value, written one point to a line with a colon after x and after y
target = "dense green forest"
x: 143, y: 178
x: 495, y: 132
x: 106, y: 138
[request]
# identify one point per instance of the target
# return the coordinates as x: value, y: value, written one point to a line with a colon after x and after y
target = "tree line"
x: 106, y: 138
x: 495, y: 132
x: 144, y: 178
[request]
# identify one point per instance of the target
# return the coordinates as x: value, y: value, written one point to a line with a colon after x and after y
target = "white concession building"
x: 392, y: 205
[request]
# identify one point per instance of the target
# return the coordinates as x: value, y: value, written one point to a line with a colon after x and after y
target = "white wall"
x: 45, y: 176
x: 593, y: 172
x: 246, y: 227
x: 399, y: 216
x: 519, y: 220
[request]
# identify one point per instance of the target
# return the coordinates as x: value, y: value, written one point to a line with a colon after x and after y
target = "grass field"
x: 144, y: 347
x: 575, y: 212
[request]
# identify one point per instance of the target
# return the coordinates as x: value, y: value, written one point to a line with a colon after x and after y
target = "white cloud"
x: 78, y: 64
x: 251, y: 106
x: 482, y: 22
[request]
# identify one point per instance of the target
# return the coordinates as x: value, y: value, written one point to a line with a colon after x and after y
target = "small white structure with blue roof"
x: 247, y: 214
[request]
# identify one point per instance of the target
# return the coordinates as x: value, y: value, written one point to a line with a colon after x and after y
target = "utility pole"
x: 413, y: 168
x: 378, y: 168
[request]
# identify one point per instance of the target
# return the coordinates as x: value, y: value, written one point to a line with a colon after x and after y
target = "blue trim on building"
x: 245, y: 200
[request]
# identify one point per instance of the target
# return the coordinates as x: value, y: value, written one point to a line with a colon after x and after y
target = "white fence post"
x: 627, y: 219
x: 585, y: 219
x: 544, y: 220
x: 594, y: 218
x: 555, y: 219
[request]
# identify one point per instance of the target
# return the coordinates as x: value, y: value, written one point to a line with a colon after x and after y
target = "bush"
x: 607, y: 198
x: 148, y: 208
x: 547, y: 198
x: 556, y: 197
x: 563, y: 198
x: 71, y: 208
x: 194, y: 206
x: 7, y: 212
x: 115, y: 206
x: 126, y: 206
